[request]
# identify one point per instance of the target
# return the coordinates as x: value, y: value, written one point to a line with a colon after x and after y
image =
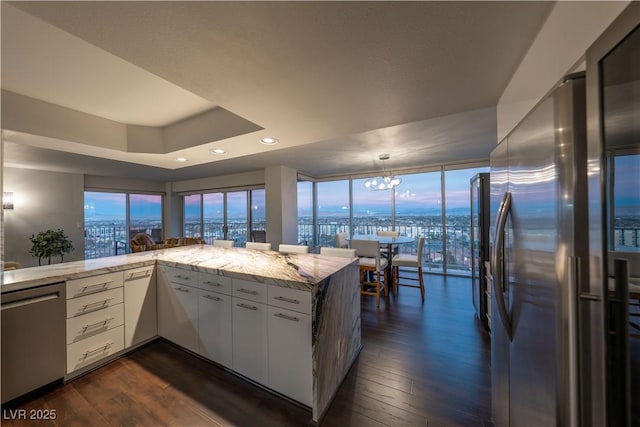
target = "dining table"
x: 391, y: 243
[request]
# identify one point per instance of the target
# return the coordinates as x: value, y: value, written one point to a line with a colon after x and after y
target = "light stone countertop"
x: 300, y: 271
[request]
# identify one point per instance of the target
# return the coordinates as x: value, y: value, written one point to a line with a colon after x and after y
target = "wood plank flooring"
x: 422, y: 364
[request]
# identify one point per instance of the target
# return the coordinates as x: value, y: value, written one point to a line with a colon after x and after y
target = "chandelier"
x: 385, y: 182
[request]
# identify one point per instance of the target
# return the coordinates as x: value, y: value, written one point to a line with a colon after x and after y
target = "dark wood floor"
x: 422, y: 364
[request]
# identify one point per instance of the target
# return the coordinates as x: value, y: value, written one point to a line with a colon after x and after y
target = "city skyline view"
x: 414, y: 208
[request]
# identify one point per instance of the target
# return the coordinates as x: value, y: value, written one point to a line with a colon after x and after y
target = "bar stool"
x: 413, y: 261
x: 341, y: 240
x: 258, y: 246
x: 339, y: 252
x: 218, y: 243
x: 293, y: 249
x: 370, y: 261
x: 387, y: 233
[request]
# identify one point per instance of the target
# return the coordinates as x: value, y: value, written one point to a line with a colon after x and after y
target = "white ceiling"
x: 337, y: 82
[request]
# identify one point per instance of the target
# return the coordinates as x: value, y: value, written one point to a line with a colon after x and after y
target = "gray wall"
x: 42, y: 200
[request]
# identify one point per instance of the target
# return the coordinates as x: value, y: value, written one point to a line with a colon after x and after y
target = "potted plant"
x: 50, y: 243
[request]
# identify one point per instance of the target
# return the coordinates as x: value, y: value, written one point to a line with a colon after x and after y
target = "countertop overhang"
x: 299, y: 271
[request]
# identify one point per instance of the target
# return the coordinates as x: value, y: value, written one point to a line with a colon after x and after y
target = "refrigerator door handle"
x: 620, y: 399
x: 497, y: 261
x: 573, y: 279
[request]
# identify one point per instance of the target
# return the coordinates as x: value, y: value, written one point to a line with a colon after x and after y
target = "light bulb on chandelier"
x: 384, y: 182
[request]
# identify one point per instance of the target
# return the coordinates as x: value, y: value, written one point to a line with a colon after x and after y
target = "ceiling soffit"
x: 35, y: 117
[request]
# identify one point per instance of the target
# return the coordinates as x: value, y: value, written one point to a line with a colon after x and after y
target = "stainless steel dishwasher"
x: 33, y: 339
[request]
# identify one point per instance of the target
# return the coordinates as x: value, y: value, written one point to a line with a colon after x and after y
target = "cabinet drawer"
x: 215, y: 283
x: 98, y: 301
x: 93, y: 284
x: 246, y: 289
x: 291, y: 299
x: 93, y: 349
x: 138, y: 273
x: 94, y: 323
x: 181, y: 275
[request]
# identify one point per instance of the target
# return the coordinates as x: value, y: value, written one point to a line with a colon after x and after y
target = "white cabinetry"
x: 290, y: 347
x: 178, y: 307
x: 250, y: 336
x: 140, y: 312
x: 95, y: 319
x: 214, y: 319
x: 260, y: 331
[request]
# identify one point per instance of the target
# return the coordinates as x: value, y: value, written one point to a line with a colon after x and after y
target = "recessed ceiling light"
x: 218, y: 151
x: 181, y: 159
x: 268, y: 140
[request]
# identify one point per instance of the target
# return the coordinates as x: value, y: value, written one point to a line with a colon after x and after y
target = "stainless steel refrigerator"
x: 480, y: 293
x: 553, y: 359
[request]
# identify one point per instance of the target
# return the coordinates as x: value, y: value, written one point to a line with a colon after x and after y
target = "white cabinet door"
x: 290, y: 371
x: 250, y: 341
x: 178, y: 314
x: 214, y: 327
x: 139, y: 305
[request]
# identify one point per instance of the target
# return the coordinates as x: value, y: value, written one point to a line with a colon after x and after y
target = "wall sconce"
x: 7, y: 200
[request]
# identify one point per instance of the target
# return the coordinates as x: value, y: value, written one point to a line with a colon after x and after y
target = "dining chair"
x: 338, y: 252
x: 293, y: 249
x: 218, y: 243
x: 368, y: 252
x: 259, y: 246
x: 386, y: 233
x: 259, y: 236
x: 341, y: 240
x: 412, y: 261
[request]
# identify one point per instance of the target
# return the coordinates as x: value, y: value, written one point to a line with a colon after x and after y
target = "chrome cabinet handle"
x: 95, y: 288
x: 497, y: 261
x: 284, y: 316
x: 248, y: 291
x: 213, y: 298
x: 101, y: 323
x: 96, y: 305
x: 289, y: 300
x: 181, y: 289
x: 249, y: 307
x: 212, y: 284
x: 100, y: 349
x: 139, y: 274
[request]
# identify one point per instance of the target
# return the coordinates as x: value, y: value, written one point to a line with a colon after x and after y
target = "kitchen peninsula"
x: 290, y: 323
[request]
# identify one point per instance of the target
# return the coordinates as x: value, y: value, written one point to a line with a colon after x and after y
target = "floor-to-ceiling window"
x: 305, y: 212
x: 418, y: 212
x: 237, y: 217
x: 224, y: 215
x: 112, y: 219
x: 212, y: 216
x: 192, y: 216
x: 371, y: 209
x: 258, y: 210
x: 333, y: 210
x: 434, y: 204
x: 458, y: 217
x: 626, y: 203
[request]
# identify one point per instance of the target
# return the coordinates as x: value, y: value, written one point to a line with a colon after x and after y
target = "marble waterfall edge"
x: 336, y: 334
